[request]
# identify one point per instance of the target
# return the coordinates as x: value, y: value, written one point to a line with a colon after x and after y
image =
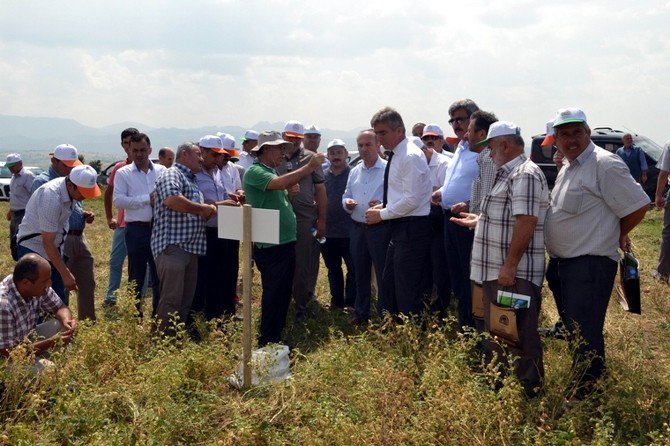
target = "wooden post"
x: 246, y: 285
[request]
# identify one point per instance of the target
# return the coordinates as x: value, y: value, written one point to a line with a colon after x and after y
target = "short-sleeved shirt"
x: 120, y: 216
x: 483, y: 183
x: 18, y: 316
x: 591, y: 195
x: 438, y: 167
x: 213, y: 190
x: 338, y: 221
x: 303, y: 204
x: 177, y: 228
x: 48, y: 210
x: 256, y: 180
x: 230, y: 177
x: 520, y: 189
x: 77, y: 216
x: 19, y: 189
x: 664, y: 160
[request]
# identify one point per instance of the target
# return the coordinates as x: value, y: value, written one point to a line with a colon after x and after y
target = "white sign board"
x: 264, y: 224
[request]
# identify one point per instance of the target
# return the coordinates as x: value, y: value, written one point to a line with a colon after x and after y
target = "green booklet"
x: 513, y: 300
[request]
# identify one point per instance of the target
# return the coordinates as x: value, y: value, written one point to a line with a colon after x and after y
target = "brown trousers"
x: 80, y: 264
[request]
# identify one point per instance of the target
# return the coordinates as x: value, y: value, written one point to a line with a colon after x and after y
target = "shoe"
x: 658, y: 276
x: 311, y: 296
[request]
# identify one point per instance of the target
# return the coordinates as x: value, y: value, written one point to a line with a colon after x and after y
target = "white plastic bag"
x: 269, y: 364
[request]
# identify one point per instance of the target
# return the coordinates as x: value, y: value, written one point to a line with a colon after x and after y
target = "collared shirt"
x: 483, y: 183
x: 520, y: 189
x: 256, y: 180
x: 48, y: 210
x: 303, y: 204
x: 625, y: 153
x: 363, y: 186
x: 338, y: 223
x: 590, y: 196
x: 121, y: 214
x: 133, y: 188
x: 664, y: 160
x: 77, y: 216
x: 230, y: 177
x: 18, y: 316
x: 438, y: 164
x: 213, y: 190
x: 409, y: 188
x: 460, y: 174
x: 19, y: 189
x: 177, y: 228
x: 245, y: 159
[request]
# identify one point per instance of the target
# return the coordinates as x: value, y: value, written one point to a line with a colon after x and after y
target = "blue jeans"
x: 56, y: 279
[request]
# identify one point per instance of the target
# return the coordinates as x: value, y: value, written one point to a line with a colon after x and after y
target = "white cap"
x: 549, y: 136
x: 250, y: 135
x: 432, y: 130
x: 85, y: 178
x: 67, y: 153
x: 312, y: 130
x: 295, y: 129
x: 228, y: 142
x: 211, y: 142
x: 569, y: 115
x: 337, y: 143
x: 12, y: 159
x: 501, y: 128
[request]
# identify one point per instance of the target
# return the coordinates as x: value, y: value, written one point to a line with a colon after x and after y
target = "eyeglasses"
x: 429, y: 137
x: 453, y: 121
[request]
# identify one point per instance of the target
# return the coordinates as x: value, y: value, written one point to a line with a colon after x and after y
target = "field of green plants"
x: 117, y: 383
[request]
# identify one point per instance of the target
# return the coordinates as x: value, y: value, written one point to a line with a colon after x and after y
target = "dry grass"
x: 118, y: 384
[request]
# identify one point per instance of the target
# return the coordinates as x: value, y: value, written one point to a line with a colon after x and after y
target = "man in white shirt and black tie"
x: 406, y: 205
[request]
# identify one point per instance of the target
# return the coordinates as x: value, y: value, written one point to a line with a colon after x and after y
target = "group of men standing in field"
x: 473, y: 221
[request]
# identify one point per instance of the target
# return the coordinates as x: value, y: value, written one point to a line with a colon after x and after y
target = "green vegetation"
x: 394, y: 385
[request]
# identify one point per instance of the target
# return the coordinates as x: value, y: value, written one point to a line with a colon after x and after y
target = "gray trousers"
x: 663, y: 267
x: 529, y: 367
x: 80, y: 264
x: 17, y: 218
x: 307, y: 255
x: 177, y: 275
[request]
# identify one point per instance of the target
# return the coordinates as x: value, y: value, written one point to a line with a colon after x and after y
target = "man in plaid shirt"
x: 508, y: 250
x: 178, y: 234
x: 22, y: 295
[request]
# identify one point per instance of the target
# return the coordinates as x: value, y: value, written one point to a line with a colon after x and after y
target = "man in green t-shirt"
x: 266, y: 190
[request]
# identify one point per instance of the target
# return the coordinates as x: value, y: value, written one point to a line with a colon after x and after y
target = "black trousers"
x: 458, y: 249
x: 276, y: 265
x: 138, y: 244
x: 334, y: 251
x: 368, y: 246
x: 582, y: 287
x: 404, y: 272
x: 438, y: 280
x: 217, y: 277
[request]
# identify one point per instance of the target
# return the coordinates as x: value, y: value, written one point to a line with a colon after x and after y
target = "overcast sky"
x: 217, y: 62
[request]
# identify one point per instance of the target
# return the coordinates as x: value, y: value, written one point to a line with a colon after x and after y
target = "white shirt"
x: 438, y: 164
x: 460, y: 174
x: 363, y: 186
x: 230, y: 177
x: 245, y: 160
x: 132, y: 189
x: 409, y: 188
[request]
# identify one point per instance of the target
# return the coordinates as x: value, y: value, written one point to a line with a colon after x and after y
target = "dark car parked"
x: 609, y: 139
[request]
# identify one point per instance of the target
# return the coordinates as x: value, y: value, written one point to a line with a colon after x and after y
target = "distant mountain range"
x: 34, y: 138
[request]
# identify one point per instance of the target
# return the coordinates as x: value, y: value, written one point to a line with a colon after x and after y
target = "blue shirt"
x: 364, y: 185
x: 338, y: 223
x: 77, y: 217
x: 213, y: 190
x: 461, y: 172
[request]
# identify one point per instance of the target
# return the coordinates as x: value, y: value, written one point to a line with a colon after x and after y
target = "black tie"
x: 389, y: 155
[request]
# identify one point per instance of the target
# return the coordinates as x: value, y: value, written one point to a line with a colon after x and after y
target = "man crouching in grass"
x: 22, y: 295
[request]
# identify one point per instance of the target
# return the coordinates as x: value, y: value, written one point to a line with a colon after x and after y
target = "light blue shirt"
x: 462, y: 171
x: 363, y: 186
x: 213, y: 190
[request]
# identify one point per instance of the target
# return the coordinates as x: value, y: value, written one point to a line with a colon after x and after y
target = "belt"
x: 412, y: 218
x: 75, y: 232
x: 365, y: 225
x: 144, y: 224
